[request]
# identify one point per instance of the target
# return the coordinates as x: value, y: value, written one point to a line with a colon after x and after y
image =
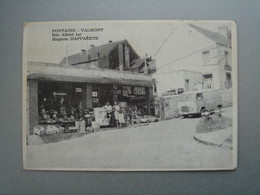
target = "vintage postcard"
x: 130, y: 95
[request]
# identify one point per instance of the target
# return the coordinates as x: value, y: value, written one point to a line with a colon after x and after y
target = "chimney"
x: 225, y: 31
x: 145, y: 65
x: 127, y: 57
x: 121, y: 57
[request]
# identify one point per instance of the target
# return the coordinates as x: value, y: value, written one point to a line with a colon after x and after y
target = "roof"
x: 103, y: 50
x: 214, y: 36
x: 137, y: 63
x: 52, y: 72
x: 74, y: 59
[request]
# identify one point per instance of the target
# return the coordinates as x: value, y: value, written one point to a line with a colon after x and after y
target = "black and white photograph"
x: 153, y: 95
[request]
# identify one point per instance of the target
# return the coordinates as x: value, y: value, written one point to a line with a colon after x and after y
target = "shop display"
x: 101, y: 116
x: 73, y: 129
x: 39, y: 130
x: 51, y: 129
x: 95, y: 125
x: 62, y: 106
x: 81, y: 125
x: 60, y: 129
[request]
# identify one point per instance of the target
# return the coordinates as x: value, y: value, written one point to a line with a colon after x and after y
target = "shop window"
x: 59, y: 101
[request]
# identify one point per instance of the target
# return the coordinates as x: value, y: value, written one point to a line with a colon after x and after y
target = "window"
x: 205, y: 55
x: 228, y: 80
x: 226, y: 57
x: 207, y: 76
x: 199, y: 96
x: 208, y: 81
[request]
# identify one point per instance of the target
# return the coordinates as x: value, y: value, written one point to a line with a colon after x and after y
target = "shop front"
x: 57, y: 95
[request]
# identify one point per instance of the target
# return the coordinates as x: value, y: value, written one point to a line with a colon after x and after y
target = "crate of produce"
x: 95, y: 125
x: 73, y: 129
x: 60, y: 129
x: 39, y: 130
x: 51, y: 129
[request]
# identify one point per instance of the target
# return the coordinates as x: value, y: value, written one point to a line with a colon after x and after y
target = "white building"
x: 216, y: 61
x: 185, y: 80
x: 196, y: 49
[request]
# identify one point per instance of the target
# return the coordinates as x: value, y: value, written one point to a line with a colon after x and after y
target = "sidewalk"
x: 45, y: 139
x: 220, y: 138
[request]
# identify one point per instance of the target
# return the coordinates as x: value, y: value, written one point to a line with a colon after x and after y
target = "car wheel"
x: 185, y: 116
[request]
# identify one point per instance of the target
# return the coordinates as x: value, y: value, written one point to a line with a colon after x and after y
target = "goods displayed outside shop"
x: 68, y: 103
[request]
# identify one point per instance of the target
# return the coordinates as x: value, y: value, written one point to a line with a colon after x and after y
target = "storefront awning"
x: 43, y: 71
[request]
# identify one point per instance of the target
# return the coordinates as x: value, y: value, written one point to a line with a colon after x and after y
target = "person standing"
x: 117, y: 111
x: 109, y: 111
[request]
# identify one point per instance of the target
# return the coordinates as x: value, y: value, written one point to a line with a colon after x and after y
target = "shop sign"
x: 58, y: 93
x: 127, y: 90
x: 94, y: 93
x: 78, y: 90
x: 115, y: 86
x: 139, y: 91
x: 95, y: 100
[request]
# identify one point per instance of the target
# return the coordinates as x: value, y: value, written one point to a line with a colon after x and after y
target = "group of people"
x: 117, y: 117
x: 114, y: 113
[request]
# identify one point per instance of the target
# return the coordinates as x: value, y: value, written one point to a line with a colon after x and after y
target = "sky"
x: 165, y: 41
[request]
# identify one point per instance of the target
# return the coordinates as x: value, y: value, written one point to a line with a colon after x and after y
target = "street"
x: 163, y: 145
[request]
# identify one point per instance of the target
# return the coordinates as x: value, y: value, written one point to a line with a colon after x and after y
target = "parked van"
x: 198, y: 102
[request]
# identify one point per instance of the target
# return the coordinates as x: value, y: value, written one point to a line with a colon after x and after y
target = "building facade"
x: 114, y: 55
x: 217, y: 60
x: 185, y: 81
